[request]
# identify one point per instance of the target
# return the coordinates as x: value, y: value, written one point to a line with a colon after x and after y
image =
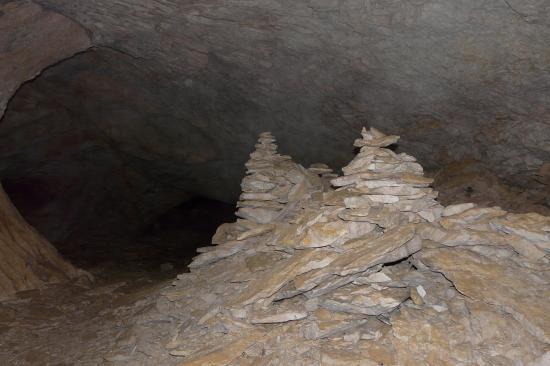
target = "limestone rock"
x: 281, y: 273
x: 374, y: 272
x: 365, y: 300
x: 225, y: 353
x: 220, y: 252
x: 279, y: 317
x: 456, y: 209
x: 375, y: 138
x: 531, y: 226
x: 363, y: 254
x: 513, y: 289
x: 272, y: 181
x: 380, y: 179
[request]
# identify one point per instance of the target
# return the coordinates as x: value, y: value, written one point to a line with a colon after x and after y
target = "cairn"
x: 324, y: 172
x: 374, y: 272
x: 274, y: 192
x: 272, y: 182
x: 385, y: 188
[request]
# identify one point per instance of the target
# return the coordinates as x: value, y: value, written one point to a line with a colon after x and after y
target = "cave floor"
x: 84, y: 324
x: 73, y: 325
x: 92, y: 324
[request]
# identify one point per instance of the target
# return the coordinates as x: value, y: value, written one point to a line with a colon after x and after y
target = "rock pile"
x: 375, y: 272
x: 275, y: 191
x: 324, y: 172
x: 380, y: 184
x: 322, y: 169
x: 272, y: 182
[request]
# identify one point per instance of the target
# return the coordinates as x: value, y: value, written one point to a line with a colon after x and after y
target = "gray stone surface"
x: 170, y: 102
x: 31, y: 39
x: 453, y: 78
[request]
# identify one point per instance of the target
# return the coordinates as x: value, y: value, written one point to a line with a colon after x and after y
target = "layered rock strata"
x: 27, y: 260
x: 373, y: 272
x: 273, y: 182
x: 379, y: 184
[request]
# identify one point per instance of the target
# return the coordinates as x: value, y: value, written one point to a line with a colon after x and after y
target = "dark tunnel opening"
x: 160, y: 250
x: 90, y: 159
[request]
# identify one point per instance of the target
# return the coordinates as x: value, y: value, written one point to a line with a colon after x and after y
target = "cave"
x: 334, y: 182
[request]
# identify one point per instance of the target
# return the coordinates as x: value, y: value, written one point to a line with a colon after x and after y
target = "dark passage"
x: 161, y: 250
x: 97, y: 158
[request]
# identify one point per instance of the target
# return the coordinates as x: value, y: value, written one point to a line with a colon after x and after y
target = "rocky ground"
x: 83, y: 323
x: 72, y: 325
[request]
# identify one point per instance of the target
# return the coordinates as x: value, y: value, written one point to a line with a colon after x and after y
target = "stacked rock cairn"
x: 385, y: 188
x: 372, y: 272
x: 272, y: 182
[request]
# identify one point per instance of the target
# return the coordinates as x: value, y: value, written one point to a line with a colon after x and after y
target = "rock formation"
x: 375, y: 272
x: 273, y: 183
x: 380, y: 184
x: 275, y: 191
x: 27, y: 260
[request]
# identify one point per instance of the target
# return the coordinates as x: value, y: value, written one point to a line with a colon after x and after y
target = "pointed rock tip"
x: 375, y: 138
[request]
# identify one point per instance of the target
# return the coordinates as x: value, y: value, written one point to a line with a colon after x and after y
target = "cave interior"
x: 125, y: 127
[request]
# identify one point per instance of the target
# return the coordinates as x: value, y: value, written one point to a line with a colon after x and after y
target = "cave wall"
x: 32, y: 38
x: 109, y: 150
x: 170, y: 99
x: 457, y: 79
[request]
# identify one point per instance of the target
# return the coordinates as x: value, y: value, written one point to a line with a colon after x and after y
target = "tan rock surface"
x: 226, y: 353
x: 518, y: 291
x: 343, y: 280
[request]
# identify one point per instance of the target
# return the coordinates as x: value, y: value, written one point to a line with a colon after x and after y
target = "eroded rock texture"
x: 173, y: 95
x: 32, y: 39
x: 455, y: 79
x: 374, y: 272
x: 27, y: 260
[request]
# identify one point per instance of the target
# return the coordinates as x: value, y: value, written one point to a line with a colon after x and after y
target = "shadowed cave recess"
x: 125, y: 127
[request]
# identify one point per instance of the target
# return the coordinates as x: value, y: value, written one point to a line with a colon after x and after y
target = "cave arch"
x: 27, y: 259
